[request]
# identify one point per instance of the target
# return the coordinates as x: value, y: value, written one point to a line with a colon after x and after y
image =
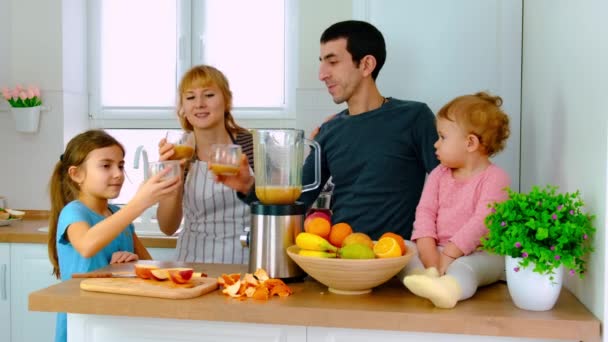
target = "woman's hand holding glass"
x: 177, y: 146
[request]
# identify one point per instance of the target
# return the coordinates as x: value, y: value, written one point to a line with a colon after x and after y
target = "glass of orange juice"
x: 225, y: 159
x: 183, y: 144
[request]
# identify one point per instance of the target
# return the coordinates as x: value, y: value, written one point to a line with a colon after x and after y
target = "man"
x: 378, y: 151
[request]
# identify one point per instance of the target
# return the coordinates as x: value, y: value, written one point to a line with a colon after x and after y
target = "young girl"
x: 214, y: 216
x: 85, y: 232
x: 454, y: 203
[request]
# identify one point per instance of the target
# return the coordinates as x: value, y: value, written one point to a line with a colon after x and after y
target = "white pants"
x: 470, y: 271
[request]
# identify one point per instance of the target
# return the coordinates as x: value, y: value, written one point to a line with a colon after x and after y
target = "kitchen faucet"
x: 141, y: 151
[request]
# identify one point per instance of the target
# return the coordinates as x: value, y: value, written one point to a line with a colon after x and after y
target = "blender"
x: 277, y: 218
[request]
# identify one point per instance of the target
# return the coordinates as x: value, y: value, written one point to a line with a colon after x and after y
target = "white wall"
x: 440, y: 49
x: 564, y: 117
x: 33, y: 48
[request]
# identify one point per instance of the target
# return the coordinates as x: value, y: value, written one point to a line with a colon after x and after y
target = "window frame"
x: 187, y: 32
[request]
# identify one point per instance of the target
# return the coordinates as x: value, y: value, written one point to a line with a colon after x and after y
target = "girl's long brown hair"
x: 205, y: 76
x: 63, y: 189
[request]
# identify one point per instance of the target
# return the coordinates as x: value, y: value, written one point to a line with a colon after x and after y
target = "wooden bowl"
x: 350, y: 276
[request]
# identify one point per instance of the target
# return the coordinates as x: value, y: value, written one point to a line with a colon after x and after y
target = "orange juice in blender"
x: 278, y: 194
x: 278, y: 159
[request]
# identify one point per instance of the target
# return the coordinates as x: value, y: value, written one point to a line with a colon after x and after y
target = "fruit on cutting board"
x: 143, y: 271
x: 160, y: 274
x: 360, y: 238
x: 180, y: 275
x: 318, y: 224
x: 314, y: 242
x: 356, y: 251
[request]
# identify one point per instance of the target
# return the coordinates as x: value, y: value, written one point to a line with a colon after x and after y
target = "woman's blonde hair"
x: 203, y: 76
x: 63, y: 189
x: 480, y: 114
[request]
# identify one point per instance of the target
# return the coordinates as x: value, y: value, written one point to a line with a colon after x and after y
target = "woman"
x: 214, y: 218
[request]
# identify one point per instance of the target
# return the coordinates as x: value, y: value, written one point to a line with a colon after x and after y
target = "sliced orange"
x: 399, y: 239
x: 387, y: 247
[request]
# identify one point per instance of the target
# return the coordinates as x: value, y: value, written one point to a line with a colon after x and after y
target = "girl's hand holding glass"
x: 157, y: 187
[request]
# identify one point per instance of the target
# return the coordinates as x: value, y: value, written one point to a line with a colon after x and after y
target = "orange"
x: 399, y: 239
x: 387, y: 247
x: 338, y: 232
x: 318, y: 226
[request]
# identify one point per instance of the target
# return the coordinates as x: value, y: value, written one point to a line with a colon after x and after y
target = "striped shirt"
x: 214, y: 218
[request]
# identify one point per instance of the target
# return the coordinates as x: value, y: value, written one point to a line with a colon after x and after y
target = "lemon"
x: 387, y: 247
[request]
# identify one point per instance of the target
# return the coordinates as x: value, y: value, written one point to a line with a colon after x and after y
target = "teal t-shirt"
x: 378, y: 162
x: 70, y: 261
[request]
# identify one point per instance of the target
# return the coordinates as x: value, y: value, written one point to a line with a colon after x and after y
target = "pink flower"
x: 516, y: 269
x: 557, y: 257
x: 585, y: 237
x: 554, y: 217
x: 524, y: 255
x: 18, y: 88
x: 517, y: 244
x: 36, y: 91
x: 23, y: 95
x: 30, y: 93
x: 552, y: 248
x: 6, y: 93
x: 572, y: 272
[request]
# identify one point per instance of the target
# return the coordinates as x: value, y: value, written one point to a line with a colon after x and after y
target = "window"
x: 139, y: 49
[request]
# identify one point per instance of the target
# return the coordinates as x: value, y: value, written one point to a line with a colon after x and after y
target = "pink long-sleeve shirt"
x: 453, y: 210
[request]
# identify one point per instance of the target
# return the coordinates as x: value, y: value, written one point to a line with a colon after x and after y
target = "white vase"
x: 530, y: 290
x: 26, y: 118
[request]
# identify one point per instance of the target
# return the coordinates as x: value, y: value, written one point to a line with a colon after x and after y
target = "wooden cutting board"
x: 151, y: 288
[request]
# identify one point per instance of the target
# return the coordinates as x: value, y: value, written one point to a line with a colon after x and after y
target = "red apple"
x: 180, y: 275
x: 143, y: 271
x: 319, y: 214
x: 160, y: 274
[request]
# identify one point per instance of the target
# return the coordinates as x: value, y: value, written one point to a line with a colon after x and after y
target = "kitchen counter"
x: 388, y: 307
x: 27, y: 231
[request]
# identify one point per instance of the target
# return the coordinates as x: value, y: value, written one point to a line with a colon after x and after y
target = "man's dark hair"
x: 362, y: 39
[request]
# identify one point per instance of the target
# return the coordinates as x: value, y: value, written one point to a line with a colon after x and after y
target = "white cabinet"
x: 318, y: 334
x: 5, y: 304
x: 31, y: 270
x: 98, y: 328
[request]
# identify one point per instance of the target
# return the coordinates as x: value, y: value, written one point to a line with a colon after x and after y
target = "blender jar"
x: 278, y: 159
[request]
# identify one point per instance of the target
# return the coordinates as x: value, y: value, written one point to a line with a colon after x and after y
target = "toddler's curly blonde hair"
x: 480, y: 114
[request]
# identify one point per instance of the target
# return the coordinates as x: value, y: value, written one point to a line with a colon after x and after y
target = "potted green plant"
x: 541, y: 233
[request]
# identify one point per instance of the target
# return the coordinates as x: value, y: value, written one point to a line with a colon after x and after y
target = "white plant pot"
x: 26, y: 118
x: 530, y: 290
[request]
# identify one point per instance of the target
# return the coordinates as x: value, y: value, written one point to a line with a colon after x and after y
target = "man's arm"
x: 425, y: 137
